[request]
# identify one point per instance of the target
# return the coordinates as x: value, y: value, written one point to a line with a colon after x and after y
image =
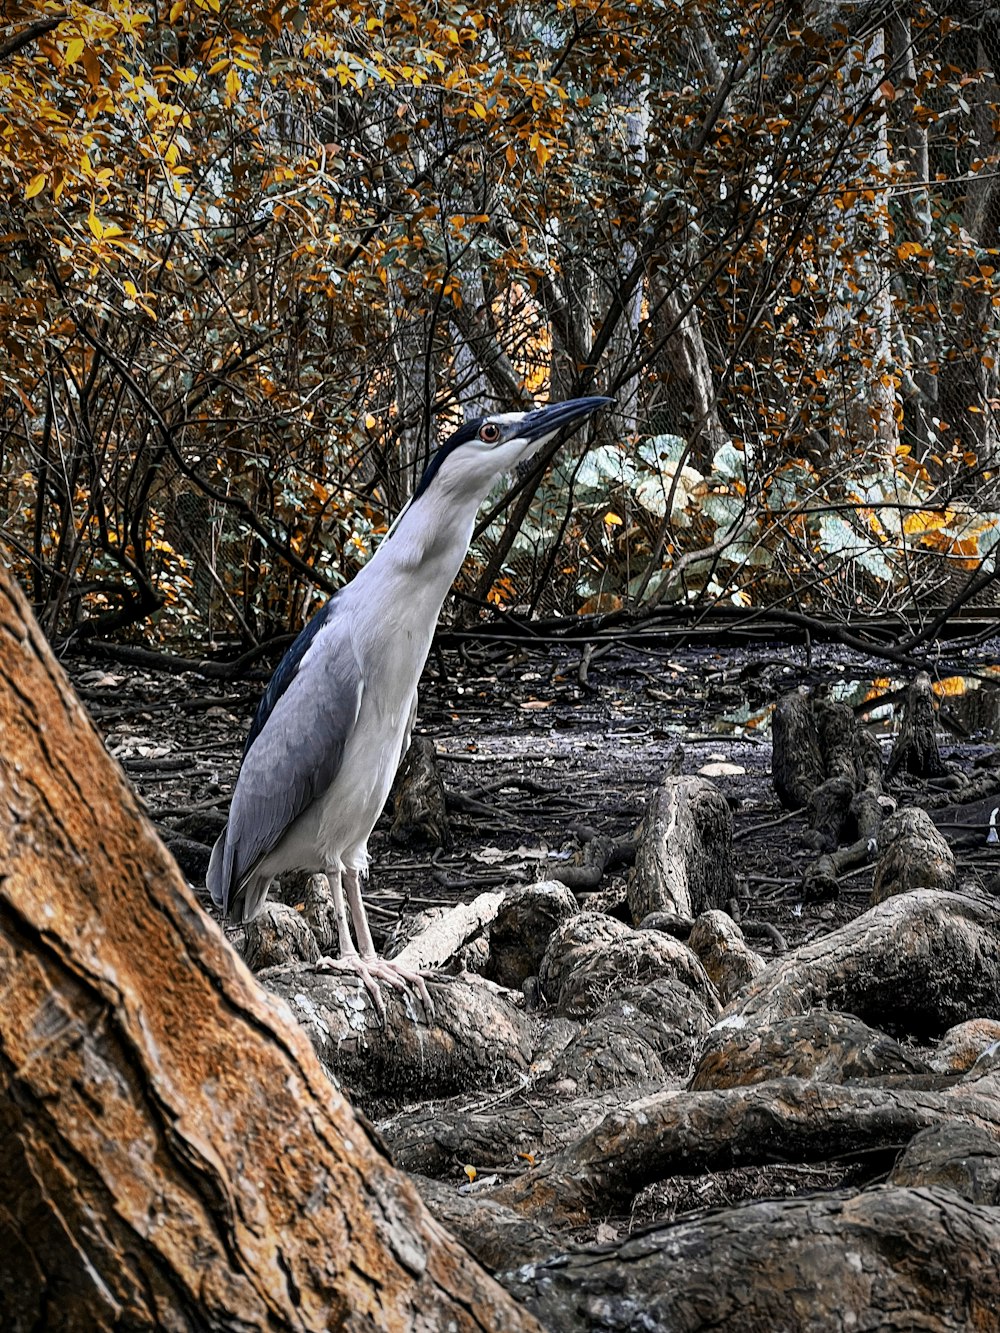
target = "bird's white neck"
x: 432, y: 534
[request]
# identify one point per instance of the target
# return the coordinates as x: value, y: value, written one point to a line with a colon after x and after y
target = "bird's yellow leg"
x: 363, y: 960
x: 386, y: 969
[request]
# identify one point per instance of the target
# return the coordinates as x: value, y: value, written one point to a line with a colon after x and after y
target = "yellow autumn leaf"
x: 612, y: 519
x: 95, y: 224
x: 92, y: 66
x: 925, y: 520
x: 233, y: 84
x: 601, y: 604
x: 35, y: 185
x: 74, y: 50
x: 950, y: 686
x: 130, y: 288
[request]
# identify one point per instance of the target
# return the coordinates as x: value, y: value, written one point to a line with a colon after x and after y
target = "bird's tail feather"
x: 242, y: 903
x: 213, y: 878
x: 248, y: 899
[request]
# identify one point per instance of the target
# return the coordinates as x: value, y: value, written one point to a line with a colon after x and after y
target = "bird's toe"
x: 375, y: 970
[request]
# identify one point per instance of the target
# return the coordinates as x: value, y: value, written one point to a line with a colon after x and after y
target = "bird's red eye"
x: 489, y: 433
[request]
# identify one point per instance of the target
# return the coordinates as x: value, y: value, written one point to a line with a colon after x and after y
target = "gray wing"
x: 294, y: 757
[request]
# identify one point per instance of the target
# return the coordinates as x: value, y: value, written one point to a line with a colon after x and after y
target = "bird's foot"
x: 372, y: 970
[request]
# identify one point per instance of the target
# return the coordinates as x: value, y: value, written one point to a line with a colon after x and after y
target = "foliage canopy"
x: 254, y: 256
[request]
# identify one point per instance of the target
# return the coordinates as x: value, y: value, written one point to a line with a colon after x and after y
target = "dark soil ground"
x: 552, y: 744
x: 547, y: 754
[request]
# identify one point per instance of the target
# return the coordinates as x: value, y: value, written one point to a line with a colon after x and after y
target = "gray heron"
x: 335, y: 720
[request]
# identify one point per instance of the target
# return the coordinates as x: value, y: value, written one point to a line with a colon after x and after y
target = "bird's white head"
x: 472, y: 459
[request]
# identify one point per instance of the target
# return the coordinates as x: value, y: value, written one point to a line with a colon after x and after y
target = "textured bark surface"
x: 419, y: 804
x: 522, y: 928
x: 278, y: 937
x: 954, y: 1156
x: 636, y: 1042
x: 440, y: 941
x: 912, y: 855
x: 493, y: 1133
x: 891, y: 1259
x: 684, y: 858
x: 916, y: 748
x: 497, y: 1236
x: 962, y: 1045
x: 648, y: 1032
x: 787, y: 1119
x: 477, y: 1038
x: 918, y: 963
x: 592, y: 957
x: 824, y: 762
x: 819, y: 1045
x: 796, y: 762
x: 174, y: 1156
x: 725, y: 955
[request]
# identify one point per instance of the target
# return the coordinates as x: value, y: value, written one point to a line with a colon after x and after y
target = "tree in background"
x: 252, y: 257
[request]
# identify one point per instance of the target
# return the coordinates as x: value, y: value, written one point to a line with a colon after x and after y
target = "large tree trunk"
x: 173, y: 1155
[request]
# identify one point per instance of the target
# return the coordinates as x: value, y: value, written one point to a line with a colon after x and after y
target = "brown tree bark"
x: 173, y: 1155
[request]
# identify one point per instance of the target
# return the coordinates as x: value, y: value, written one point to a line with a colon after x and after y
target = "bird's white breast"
x: 391, y: 644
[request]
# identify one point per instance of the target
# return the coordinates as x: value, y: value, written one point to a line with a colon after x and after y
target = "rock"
x: 522, y: 928
x: 684, y: 860
x: 724, y: 953
x: 913, y: 855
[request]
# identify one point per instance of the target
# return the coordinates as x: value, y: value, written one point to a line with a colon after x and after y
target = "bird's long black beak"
x: 547, y: 420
